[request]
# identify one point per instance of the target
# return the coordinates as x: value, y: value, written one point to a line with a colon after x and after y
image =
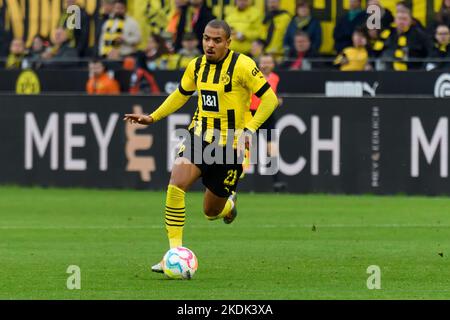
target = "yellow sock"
x: 175, y: 215
x: 226, y: 209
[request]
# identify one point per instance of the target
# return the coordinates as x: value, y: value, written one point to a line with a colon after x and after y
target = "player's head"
x: 216, y: 40
x: 266, y: 63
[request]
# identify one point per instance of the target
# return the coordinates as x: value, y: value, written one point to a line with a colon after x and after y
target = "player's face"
x: 266, y: 64
x: 215, y: 44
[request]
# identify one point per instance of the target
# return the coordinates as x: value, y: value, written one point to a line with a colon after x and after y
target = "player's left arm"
x: 173, y: 102
x: 258, y: 85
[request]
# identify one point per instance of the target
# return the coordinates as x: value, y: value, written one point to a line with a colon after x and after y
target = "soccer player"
x: 225, y: 81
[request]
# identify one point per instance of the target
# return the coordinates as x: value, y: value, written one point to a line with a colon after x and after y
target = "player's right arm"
x: 173, y: 102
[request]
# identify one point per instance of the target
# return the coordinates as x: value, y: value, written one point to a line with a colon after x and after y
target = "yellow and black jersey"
x: 224, y: 93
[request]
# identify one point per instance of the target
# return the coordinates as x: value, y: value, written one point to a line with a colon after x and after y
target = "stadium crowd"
x: 401, y: 43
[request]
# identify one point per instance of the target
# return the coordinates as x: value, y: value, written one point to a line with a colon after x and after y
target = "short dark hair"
x: 301, y: 33
x: 303, y: 3
x: 362, y: 31
x: 405, y: 5
x: 267, y: 54
x: 97, y: 60
x: 220, y: 24
x: 189, y: 36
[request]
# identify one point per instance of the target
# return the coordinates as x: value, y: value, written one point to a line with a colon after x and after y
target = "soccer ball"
x: 179, y: 263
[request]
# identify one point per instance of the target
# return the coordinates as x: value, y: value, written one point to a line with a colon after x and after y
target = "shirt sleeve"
x: 258, y: 85
x: 253, y: 78
x: 187, y: 84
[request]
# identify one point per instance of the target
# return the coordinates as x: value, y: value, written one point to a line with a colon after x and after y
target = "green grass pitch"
x: 279, y: 247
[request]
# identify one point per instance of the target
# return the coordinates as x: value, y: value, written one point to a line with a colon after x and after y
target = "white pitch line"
x: 265, y: 226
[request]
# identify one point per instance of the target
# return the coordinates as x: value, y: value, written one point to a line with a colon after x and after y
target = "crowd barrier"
x: 321, y: 83
x: 326, y: 145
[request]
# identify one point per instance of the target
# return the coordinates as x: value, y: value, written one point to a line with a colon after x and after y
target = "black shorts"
x: 268, y: 125
x: 220, y: 178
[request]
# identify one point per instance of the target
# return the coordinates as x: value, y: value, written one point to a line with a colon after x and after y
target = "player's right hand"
x: 138, y: 118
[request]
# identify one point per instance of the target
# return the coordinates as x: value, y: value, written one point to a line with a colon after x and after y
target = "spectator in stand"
x: 193, y: 18
x: 16, y: 54
x: 38, y: 47
x: 188, y: 52
x: 440, y: 50
x: 143, y: 81
x: 120, y: 34
x: 174, y: 19
x: 60, y: 53
x: 304, y: 21
x: 156, y: 56
x: 386, y: 15
x: 403, y: 6
x: 374, y: 44
x: 267, y: 65
x: 345, y: 26
x: 274, y: 28
x: 245, y: 22
x: 404, y: 42
x: 105, y: 13
x: 354, y: 58
x: 297, y: 59
x: 79, y: 38
x: 100, y: 82
x: 257, y: 49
